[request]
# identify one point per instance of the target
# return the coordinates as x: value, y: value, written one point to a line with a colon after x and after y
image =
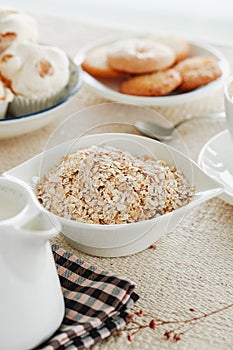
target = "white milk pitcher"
x: 31, y: 300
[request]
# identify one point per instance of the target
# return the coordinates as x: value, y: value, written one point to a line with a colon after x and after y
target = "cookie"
x: 139, y: 56
x: 16, y: 26
x: 155, y: 84
x: 180, y: 47
x: 95, y: 63
x: 198, y: 71
x: 6, y: 40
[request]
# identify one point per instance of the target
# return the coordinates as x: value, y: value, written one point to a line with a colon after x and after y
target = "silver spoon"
x: 161, y: 133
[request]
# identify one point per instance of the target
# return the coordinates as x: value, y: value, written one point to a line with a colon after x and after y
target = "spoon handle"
x: 219, y: 115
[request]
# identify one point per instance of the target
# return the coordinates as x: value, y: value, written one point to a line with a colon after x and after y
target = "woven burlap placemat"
x: 189, y: 272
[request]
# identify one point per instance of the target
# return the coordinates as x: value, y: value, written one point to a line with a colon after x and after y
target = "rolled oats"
x: 105, y: 185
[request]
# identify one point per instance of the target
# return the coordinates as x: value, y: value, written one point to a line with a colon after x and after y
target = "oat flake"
x: 105, y: 185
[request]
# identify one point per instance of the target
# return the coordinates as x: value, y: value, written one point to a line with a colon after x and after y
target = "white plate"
x: 216, y: 159
x: 125, y: 239
x: 15, y: 126
x: 108, y: 88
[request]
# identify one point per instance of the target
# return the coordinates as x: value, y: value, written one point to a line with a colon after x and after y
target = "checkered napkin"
x: 96, y: 302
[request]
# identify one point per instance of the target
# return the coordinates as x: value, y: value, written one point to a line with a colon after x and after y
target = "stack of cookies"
x: 152, y: 66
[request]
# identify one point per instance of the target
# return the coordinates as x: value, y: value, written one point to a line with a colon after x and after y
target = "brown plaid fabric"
x: 96, y: 303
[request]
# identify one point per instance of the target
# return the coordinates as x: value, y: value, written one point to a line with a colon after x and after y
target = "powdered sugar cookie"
x: 137, y: 56
x: 36, y: 74
x: 198, y: 71
x: 155, y: 84
x: 16, y: 26
x: 96, y: 63
x: 180, y: 46
x: 34, y: 71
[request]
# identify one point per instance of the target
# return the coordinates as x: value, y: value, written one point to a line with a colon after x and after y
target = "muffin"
x: 36, y: 74
x: 16, y: 26
x: 6, y: 96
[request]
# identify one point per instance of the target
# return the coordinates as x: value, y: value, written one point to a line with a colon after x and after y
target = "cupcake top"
x: 5, y: 93
x: 16, y: 26
x: 34, y: 71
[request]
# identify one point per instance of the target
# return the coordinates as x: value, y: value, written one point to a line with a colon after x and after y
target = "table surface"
x: 191, y: 268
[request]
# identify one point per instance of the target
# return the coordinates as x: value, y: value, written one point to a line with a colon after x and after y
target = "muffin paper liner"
x: 20, y: 105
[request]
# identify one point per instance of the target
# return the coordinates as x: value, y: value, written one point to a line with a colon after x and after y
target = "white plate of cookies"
x: 153, y: 70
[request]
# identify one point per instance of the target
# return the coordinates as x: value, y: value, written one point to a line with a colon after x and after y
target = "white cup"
x: 228, y: 98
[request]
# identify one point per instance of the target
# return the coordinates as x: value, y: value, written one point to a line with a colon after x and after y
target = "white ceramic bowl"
x: 15, y: 126
x: 108, y: 88
x: 124, y: 239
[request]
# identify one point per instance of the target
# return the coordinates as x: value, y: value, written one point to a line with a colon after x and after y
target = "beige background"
x: 191, y: 267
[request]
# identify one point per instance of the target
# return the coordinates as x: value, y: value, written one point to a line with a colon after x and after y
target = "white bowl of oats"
x: 115, y: 194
